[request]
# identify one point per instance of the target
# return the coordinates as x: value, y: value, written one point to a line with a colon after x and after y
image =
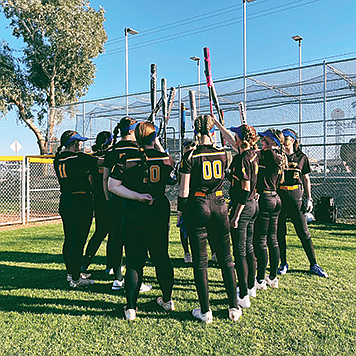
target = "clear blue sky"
x: 328, y: 28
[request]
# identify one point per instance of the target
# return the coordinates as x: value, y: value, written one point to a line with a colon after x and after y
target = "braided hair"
x: 250, y: 137
x: 66, y: 135
x: 145, y: 134
x: 102, y: 142
x: 125, y: 122
x: 202, y: 126
x: 284, y: 163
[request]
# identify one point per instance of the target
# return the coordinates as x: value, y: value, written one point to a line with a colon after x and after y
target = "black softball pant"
x: 76, y: 211
x: 292, y: 207
x: 146, y: 227
x: 265, y: 234
x: 103, y: 227
x: 114, y: 247
x: 242, y: 240
x: 207, y: 218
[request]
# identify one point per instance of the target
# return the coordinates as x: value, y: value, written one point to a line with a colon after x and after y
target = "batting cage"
x: 317, y: 101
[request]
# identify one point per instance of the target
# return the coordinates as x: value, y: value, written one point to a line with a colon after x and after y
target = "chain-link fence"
x: 29, y: 190
x: 42, y: 198
x: 317, y: 101
x: 320, y: 107
x: 11, y: 190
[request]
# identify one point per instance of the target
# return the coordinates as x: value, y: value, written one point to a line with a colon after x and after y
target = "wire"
x: 214, y: 26
x: 183, y: 22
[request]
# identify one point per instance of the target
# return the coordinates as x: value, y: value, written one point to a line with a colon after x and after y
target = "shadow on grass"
x: 334, y: 227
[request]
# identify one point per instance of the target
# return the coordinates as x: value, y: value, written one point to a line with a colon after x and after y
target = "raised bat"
x: 153, y: 84
x: 172, y: 93
x: 242, y: 112
x: 164, y: 109
x: 193, y: 107
x: 213, y: 98
x: 182, y: 121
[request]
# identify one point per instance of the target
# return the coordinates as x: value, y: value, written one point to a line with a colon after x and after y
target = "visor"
x: 212, y: 130
x: 238, y: 132
x: 109, y: 139
x: 269, y: 133
x: 129, y: 128
x: 75, y: 137
x: 287, y: 133
x: 154, y: 135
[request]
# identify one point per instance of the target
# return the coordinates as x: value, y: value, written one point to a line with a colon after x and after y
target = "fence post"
x: 23, y: 190
x: 179, y: 113
x: 324, y: 117
x: 27, y: 168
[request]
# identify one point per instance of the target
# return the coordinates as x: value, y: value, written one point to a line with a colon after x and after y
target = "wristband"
x: 182, y: 202
x: 243, y: 197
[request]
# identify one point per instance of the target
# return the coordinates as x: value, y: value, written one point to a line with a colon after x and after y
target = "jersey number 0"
x: 211, y: 170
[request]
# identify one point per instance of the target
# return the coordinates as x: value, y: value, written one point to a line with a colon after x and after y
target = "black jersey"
x: 244, y: 167
x: 269, y: 170
x: 118, y: 151
x: 149, y: 177
x: 73, y: 169
x: 206, y: 166
x: 98, y: 178
x: 298, y: 165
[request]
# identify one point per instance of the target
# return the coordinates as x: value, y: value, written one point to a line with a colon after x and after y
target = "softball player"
x: 140, y: 178
x: 270, y: 174
x: 201, y: 199
x: 244, y: 169
x: 128, y: 143
x: 291, y: 192
x: 72, y: 169
x: 103, y: 221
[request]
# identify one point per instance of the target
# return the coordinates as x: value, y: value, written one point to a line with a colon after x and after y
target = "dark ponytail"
x: 102, y: 142
x: 66, y: 135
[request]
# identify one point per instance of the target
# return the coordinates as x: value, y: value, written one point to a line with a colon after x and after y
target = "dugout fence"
x: 29, y: 189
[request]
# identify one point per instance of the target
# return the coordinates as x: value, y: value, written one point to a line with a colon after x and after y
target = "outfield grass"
x: 306, y: 315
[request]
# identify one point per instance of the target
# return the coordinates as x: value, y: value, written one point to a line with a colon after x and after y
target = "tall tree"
x: 61, y: 37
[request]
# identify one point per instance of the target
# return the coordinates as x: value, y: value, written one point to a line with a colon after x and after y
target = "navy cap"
x: 287, y: 133
x: 238, y: 132
x: 270, y: 134
x: 75, y: 137
x: 130, y: 127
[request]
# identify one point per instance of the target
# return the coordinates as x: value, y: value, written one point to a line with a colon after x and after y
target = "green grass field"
x: 306, y: 315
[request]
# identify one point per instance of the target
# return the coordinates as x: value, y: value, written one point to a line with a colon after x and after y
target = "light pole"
x: 197, y: 59
x: 131, y: 32
x: 244, y: 42
x: 299, y: 39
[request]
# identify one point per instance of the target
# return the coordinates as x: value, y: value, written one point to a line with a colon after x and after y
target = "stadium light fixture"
x: 299, y: 39
x: 127, y: 31
x: 244, y: 44
x: 197, y: 59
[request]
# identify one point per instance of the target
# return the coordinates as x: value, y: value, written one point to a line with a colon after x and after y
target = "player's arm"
x: 115, y: 186
x: 229, y: 137
x: 158, y: 145
x: 183, y: 193
x: 246, y: 186
x: 307, y: 189
x: 106, y: 174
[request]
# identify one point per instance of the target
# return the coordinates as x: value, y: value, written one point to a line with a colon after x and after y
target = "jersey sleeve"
x: 118, y: 170
x: 89, y: 162
x: 108, y: 160
x: 186, y: 164
x: 306, y: 166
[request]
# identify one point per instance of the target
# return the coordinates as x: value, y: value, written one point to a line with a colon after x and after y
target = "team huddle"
x: 128, y: 180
